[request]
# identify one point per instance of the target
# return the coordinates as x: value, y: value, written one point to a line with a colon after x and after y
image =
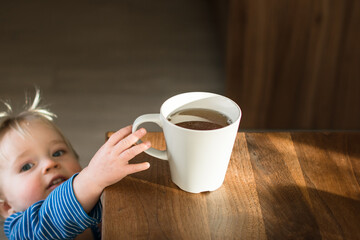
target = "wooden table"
x: 279, y: 185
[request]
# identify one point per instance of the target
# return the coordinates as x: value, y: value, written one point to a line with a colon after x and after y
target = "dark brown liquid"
x: 199, y: 119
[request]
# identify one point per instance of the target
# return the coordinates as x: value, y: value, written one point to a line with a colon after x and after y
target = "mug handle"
x: 155, y: 118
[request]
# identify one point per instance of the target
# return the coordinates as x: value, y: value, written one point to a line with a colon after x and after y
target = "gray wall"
x: 102, y: 64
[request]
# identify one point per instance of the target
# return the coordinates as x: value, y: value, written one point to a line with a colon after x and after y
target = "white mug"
x: 198, y: 159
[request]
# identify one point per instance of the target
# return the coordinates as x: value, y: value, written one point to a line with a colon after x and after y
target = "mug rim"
x: 236, y: 121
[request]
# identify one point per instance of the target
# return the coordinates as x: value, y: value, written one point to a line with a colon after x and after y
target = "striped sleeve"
x: 59, y: 216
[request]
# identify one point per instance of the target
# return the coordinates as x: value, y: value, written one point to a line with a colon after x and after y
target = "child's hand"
x: 109, y: 165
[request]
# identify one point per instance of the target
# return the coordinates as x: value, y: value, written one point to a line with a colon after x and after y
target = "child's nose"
x: 49, y: 165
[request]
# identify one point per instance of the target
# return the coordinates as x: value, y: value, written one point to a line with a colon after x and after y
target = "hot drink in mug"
x: 200, y: 130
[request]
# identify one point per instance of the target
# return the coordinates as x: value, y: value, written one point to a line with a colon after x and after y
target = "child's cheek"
x: 73, y: 167
x: 29, y: 193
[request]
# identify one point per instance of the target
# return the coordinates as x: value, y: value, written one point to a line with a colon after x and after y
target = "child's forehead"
x: 38, y: 125
x: 29, y: 131
x: 40, y: 129
x: 35, y: 135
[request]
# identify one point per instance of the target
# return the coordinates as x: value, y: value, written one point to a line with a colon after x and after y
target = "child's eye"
x: 26, y: 167
x: 58, y: 153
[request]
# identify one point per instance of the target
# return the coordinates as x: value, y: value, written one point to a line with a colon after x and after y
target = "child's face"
x: 35, y: 165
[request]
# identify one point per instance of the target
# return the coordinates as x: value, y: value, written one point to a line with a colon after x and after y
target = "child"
x: 44, y: 193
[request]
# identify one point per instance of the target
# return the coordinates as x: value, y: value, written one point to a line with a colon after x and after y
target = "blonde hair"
x: 10, y: 121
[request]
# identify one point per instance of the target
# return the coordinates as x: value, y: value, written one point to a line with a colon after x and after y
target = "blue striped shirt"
x: 59, y: 216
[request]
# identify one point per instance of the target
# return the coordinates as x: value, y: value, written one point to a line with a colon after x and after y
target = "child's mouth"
x: 56, y: 182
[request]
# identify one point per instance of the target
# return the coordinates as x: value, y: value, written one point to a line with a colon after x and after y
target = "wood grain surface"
x: 294, y: 64
x: 279, y: 185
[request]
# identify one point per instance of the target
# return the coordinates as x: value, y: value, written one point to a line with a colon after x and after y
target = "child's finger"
x: 130, y: 153
x: 120, y: 134
x: 129, y: 141
x: 138, y: 167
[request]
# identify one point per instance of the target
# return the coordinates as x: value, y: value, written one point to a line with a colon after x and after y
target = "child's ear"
x: 5, y: 209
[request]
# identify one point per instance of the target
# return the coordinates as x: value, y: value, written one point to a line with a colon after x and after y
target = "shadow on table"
x: 289, y: 215
x: 158, y: 173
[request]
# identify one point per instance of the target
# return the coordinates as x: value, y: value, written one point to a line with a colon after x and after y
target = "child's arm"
x: 74, y: 206
x: 109, y: 165
x: 59, y: 216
